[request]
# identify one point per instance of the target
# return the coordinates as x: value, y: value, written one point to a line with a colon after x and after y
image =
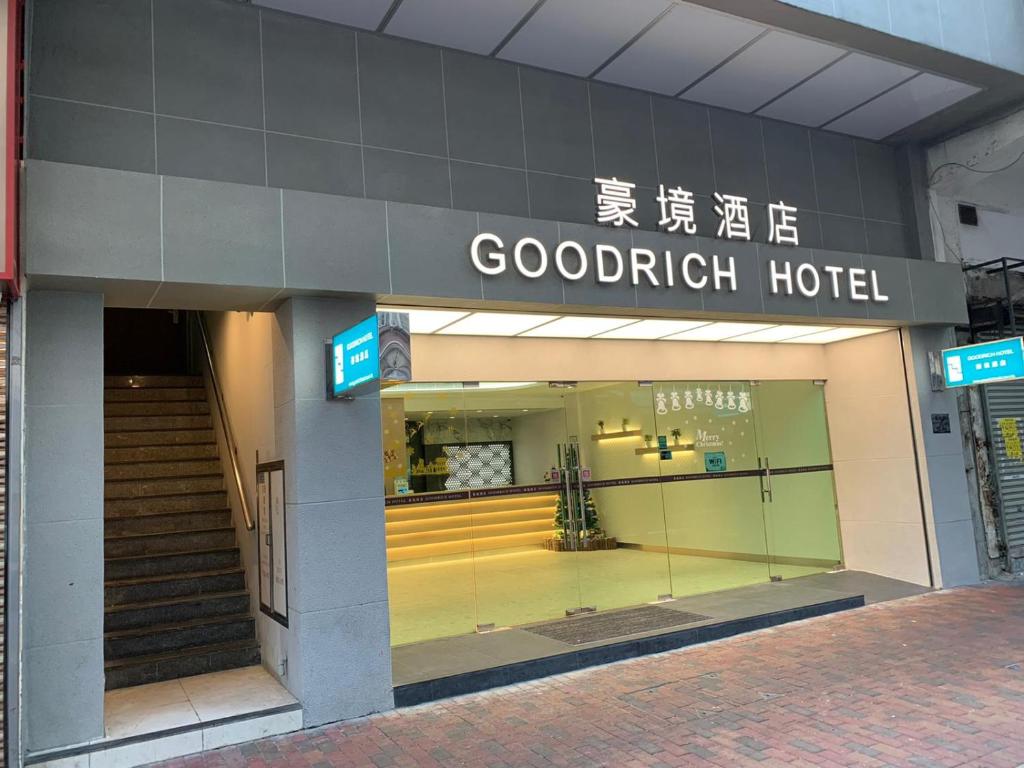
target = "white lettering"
x: 805, y: 273
x: 876, y: 294
x: 642, y: 260
x: 858, y: 284
x: 784, y: 276
x: 670, y: 275
x: 603, y: 276
x: 834, y: 273
x: 570, y: 245
x: 684, y: 268
x: 718, y: 273
x: 496, y: 259
x: 517, y: 255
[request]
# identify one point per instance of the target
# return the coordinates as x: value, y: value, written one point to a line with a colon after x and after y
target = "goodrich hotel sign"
x: 616, y: 206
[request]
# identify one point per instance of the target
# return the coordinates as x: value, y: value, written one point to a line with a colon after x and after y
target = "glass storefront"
x: 509, y: 503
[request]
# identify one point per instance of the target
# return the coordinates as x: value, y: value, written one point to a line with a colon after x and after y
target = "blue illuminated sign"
x: 354, y: 360
x: 1000, y: 360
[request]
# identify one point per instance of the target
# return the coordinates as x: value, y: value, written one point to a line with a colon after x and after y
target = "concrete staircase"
x: 176, y: 603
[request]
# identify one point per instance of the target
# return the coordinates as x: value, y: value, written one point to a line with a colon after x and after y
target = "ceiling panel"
x: 764, y: 70
x: 681, y: 47
x: 902, y: 106
x: 468, y: 25
x: 577, y: 36
x: 847, y: 83
x: 357, y: 13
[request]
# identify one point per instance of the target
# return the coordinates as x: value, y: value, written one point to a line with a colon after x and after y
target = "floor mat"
x: 594, y: 627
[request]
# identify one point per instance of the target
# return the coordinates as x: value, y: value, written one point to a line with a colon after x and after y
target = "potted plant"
x: 625, y: 425
x: 600, y: 427
x: 648, y: 439
x: 676, y: 434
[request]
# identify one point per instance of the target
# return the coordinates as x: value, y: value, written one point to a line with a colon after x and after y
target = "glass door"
x: 801, y: 521
x: 624, y: 560
x: 524, y: 502
x: 712, y: 485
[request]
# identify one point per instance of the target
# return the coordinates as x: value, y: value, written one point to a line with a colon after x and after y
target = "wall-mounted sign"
x: 374, y: 351
x: 714, y: 461
x: 693, y: 271
x: 270, y: 532
x: 1000, y: 360
x: 940, y: 424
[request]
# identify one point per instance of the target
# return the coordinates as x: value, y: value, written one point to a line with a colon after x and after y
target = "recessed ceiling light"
x: 837, y: 334
x: 427, y: 320
x: 780, y: 333
x: 718, y: 331
x: 651, y: 329
x: 495, y: 324
x: 578, y: 327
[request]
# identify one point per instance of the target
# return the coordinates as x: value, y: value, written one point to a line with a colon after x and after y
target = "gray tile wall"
x: 985, y: 30
x: 63, y: 526
x: 947, y: 475
x: 337, y: 644
x: 218, y: 90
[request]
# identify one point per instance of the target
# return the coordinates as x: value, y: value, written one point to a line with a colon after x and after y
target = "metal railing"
x: 1007, y: 305
x: 229, y: 436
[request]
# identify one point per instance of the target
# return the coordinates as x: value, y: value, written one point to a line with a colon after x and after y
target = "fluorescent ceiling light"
x: 837, y: 334
x: 427, y: 320
x: 718, y: 331
x: 651, y: 329
x: 495, y: 324
x: 780, y: 333
x: 578, y: 327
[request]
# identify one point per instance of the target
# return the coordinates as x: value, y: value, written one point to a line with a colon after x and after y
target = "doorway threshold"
x: 438, y: 669
x: 174, y: 718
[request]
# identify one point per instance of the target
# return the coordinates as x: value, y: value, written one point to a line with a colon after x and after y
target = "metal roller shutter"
x: 1004, y: 404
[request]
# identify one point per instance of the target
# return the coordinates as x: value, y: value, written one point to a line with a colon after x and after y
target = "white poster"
x: 273, y: 550
x: 263, y: 531
x: 278, y: 551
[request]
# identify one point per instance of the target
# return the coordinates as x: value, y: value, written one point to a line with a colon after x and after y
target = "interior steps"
x: 175, y: 601
x: 420, y: 531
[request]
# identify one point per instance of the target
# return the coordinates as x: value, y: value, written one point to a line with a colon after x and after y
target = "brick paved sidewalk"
x: 935, y: 680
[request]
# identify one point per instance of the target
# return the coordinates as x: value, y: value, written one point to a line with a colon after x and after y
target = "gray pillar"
x: 337, y: 643
x: 947, y: 474
x: 62, y: 673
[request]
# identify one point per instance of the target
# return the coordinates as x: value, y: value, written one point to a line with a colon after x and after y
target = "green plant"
x: 590, y: 519
x: 648, y: 439
x: 676, y: 434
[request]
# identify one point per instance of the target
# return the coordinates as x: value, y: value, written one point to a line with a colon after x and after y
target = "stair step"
x: 462, y: 521
x: 160, y: 437
x: 478, y: 510
x: 154, y: 394
x: 155, y: 668
x: 155, y: 505
x: 166, y: 586
x: 130, y: 489
x: 151, y: 470
x: 164, y: 638
x: 175, y: 609
x: 159, y: 453
x: 151, y: 423
x: 167, y: 523
x: 148, y: 382
x: 144, y: 566
x: 471, y: 534
x: 168, y: 543
x: 157, y: 408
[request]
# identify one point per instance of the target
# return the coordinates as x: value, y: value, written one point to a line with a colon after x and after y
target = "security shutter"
x: 1004, y: 403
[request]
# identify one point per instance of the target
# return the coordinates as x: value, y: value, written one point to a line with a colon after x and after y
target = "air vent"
x: 968, y: 215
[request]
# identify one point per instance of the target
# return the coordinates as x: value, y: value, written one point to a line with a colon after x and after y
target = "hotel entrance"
x: 511, y: 503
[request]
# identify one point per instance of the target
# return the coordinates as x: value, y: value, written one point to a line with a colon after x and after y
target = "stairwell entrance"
x: 176, y: 599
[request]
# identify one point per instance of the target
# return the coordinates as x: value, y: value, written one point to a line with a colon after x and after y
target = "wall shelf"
x: 669, y: 448
x: 615, y: 435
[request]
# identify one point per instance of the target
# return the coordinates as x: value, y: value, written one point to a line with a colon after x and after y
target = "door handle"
x: 768, y: 480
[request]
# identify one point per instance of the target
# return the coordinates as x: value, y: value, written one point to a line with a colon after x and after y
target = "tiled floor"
x: 443, y: 657
x: 932, y: 680
x: 191, y: 701
x: 450, y: 597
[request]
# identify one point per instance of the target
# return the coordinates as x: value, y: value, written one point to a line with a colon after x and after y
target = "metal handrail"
x: 229, y: 436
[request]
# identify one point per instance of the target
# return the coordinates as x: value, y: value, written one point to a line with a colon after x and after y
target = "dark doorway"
x: 145, y: 342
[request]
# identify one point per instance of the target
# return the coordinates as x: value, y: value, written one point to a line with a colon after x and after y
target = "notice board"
x: 273, y: 549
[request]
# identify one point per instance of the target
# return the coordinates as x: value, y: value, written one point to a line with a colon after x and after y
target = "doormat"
x: 594, y: 627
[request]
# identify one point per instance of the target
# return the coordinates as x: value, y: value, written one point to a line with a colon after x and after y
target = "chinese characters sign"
x: 617, y: 205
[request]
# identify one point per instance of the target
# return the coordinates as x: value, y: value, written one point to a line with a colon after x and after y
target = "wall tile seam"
x: 450, y: 159
x: 67, y: 643
x: 334, y: 502
x: 369, y: 603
